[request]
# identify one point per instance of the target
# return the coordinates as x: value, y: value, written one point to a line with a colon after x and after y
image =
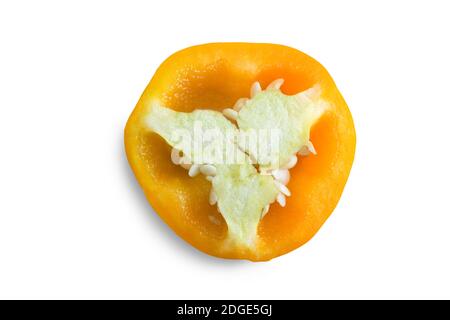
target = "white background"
x: 75, y: 224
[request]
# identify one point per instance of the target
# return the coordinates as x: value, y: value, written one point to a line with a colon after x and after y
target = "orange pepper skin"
x: 214, y: 76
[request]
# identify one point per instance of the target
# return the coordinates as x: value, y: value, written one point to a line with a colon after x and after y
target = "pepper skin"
x: 214, y: 76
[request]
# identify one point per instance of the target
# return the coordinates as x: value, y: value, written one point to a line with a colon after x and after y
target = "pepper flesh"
x: 214, y: 76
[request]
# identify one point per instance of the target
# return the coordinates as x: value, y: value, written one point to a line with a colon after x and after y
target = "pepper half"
x: 213, y: 77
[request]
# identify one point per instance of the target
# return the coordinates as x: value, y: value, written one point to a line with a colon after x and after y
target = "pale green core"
x: 242, y: 192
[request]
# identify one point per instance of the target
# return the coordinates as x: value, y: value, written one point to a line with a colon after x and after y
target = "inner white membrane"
x: 264, y: 109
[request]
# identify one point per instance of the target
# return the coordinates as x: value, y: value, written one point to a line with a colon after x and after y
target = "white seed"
x: 281, y: 175
x: 186, y: 162
x: 311, y: 148
x: 194, y: 170
x: 281, y: 199
x: 307, y: 149
x: 212, y: 197
x: 283, y: 189
x: 208, y: 170
x: 291, y: 163
x: 255, y: 89
x: 276, y: 84
x: 230, y: 114
x: 175, y: 156
x: 186, y: 166
x: 209, y: 178
x: 214, y: 220
x: 240, y: 104
x: 265, y: 210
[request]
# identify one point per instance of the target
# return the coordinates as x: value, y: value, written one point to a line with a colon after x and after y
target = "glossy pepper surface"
x: 214, y: 76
